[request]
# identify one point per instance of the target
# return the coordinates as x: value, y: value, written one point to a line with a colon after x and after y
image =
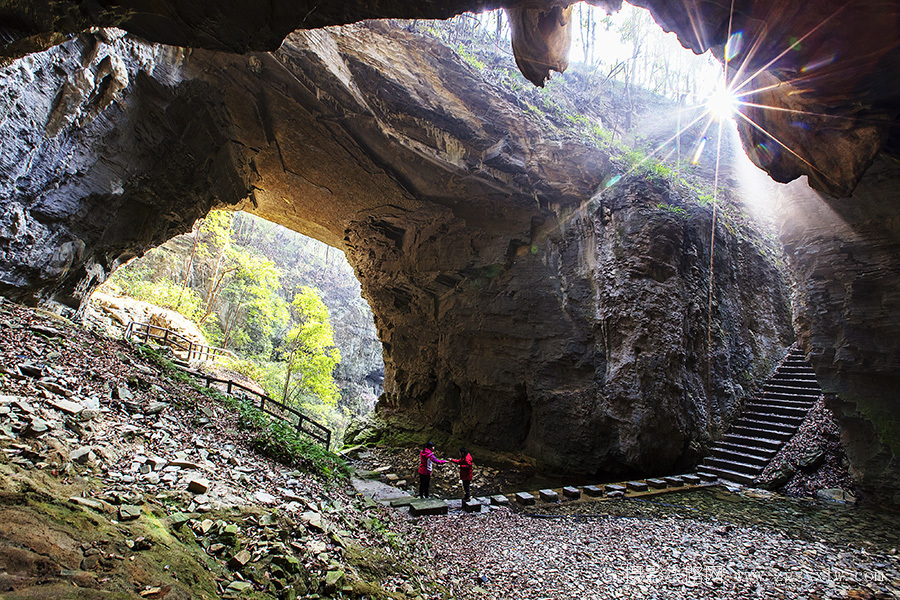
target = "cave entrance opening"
x: 288, y: 308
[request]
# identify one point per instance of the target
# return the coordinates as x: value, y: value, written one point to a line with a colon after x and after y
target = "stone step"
x: 674, y: 481
x: 593, y: 491
x: 657, y: 484
x: 732, y: 475
x: 548, y: 496
x: 762, y: 415
x: 427, y: 506
x: 525, y: 499
x: 760, y: 433
x: 691, y: 479
x: 740, y: 457
x: 571, y: 492
x: 763, y: 453
x: 707, y: 477
x: 499, y: 500
x: 766, y: 422
x: 760, y: 406
x: 731, y: 465
x: 749, y: 440
x: 790, y: 379
x: 637, y: 486
x: 785, y: 388
x: 796, y: 367
x: 790, y: 400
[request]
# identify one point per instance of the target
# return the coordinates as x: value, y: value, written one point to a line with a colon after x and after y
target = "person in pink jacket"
x: 465, y: 471
x: 427, y: 460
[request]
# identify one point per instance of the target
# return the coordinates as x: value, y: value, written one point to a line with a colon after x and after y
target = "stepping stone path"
x: 768, y: 421
x: 473, y: 505
x: 637, y: 486
x: 615, y: 487
x: 421, y: 507
x: 593, y: 491
x: 548, y: 496
x: 657, y: 484
x: 571, y: 492
x: 674, y: 481
x: 524, y: 498
x: 499, y: 500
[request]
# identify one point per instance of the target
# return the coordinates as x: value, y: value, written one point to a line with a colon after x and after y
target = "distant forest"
x: 288, y: 305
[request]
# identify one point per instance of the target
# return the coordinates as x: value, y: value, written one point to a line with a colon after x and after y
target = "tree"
x: 311, y: 353
x: 255, y: 310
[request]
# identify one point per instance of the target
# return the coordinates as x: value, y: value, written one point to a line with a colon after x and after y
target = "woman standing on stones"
x: 465, y: 471
x: 427, y: 460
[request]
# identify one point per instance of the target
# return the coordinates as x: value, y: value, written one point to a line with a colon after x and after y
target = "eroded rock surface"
x: 517, y: 308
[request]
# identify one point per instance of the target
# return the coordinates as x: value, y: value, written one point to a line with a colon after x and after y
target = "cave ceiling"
x: 818, y: 79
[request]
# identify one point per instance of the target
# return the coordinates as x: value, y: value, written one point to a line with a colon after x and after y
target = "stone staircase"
x: 769, y: 420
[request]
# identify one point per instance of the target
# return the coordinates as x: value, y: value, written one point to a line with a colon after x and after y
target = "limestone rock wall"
x: 106, y: 152
x: 845, y: 259
x: 583, y: 342
x: 514, y: 310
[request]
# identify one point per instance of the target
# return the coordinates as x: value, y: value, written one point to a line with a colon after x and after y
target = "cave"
x: 493, y: 258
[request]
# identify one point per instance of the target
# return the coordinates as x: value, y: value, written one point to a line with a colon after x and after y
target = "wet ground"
x: 798, y: 518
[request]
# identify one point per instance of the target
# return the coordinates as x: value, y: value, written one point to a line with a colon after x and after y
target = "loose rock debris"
x: 118, y: 478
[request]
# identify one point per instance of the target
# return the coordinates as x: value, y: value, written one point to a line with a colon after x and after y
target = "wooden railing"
x: 179, y: 343
x: 279, y: 410
x: 275, y: 408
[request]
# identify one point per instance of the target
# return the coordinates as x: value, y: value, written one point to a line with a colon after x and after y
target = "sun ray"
x: 786, y: 147
x: 812, y: 114
x: 792, y: 45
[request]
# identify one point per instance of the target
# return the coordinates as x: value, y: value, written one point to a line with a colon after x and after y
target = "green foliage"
x: 280, y: 441
x: 675, y: 210
x: 311, y: 353
x: 253, y: 295
x: 470, y: 58
x: 145, y: 284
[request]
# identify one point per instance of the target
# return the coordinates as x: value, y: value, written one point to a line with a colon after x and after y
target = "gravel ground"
x: 503, y: 555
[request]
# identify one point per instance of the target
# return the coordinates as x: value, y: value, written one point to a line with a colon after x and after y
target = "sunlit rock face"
x: 827, y: 70
x: 845, y: 258
x: 518, y: 308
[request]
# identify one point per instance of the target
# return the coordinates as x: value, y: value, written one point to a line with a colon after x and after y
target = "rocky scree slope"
x: 121, y: 481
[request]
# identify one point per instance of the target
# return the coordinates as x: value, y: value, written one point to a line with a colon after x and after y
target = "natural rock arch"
x: 847, y: 304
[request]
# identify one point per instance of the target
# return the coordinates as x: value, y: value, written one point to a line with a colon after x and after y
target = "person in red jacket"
x: 427, y: 460
x: 465, y: 471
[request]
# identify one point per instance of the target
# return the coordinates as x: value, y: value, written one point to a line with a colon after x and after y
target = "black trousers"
x: 466, y: 485
x: 424, y: 483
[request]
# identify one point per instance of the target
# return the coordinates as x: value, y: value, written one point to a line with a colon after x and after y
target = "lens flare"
x: 721, y: 104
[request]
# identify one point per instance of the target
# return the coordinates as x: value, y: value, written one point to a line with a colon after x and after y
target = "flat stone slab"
x: 637, y: 486
x: 473, y: 505
x: 593, y: 491
x: 499, y: 500
x: 401, y: 502
x: 66, y: 406
x: 691, y: 479
x: 548, y: 496
x: 674, y: 481
x: 571, y: 492
x: 657, y: 484
x: 421, y: 507
x: 615, y: 487
x: 524, y: 498
x: 707, y: 477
